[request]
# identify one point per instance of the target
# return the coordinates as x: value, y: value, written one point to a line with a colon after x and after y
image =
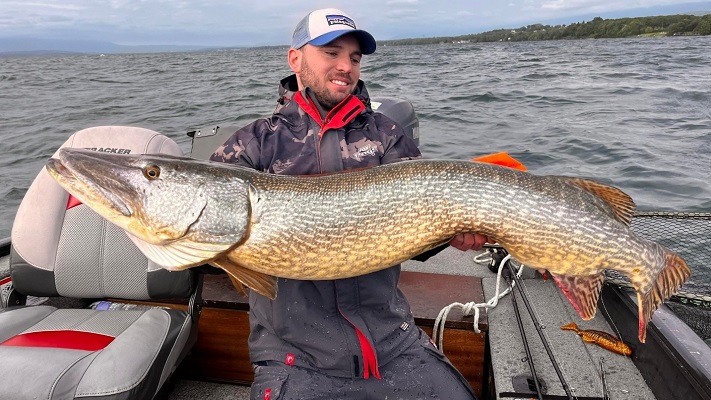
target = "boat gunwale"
x: 670, y: 342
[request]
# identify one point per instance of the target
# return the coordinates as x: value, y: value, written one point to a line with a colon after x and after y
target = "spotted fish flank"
x: 183, y: 212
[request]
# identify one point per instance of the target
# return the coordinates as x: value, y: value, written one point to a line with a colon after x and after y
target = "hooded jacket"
x: 345, y: 327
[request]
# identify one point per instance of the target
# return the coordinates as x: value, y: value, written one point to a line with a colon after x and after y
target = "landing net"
x: 689, y: 235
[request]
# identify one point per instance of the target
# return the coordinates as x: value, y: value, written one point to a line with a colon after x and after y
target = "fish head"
x: 170, y: 204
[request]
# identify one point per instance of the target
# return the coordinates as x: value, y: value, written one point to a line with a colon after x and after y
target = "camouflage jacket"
x: 345, y: 327
x: 294, y: 140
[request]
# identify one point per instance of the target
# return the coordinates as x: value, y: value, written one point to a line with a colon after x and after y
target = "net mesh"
x: 689, y: 235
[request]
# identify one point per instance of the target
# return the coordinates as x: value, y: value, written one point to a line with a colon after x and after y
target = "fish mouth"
x: 88, y: 177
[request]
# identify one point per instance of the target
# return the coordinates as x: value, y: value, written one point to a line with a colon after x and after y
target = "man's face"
x: 331, y: 71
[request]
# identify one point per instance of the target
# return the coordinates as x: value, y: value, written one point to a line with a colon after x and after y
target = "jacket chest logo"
x: 369, y: 150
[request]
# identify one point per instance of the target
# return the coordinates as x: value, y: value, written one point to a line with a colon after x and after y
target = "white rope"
x: 471, y: 307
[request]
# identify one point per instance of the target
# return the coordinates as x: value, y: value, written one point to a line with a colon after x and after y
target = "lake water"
x: 635, y: 113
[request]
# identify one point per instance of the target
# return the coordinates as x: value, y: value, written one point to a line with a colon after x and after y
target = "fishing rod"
x: 499, y: 255
x: 524, y: 339
x: 539, y: 329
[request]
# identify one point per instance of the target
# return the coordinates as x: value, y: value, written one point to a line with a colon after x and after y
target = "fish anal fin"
x: 620, y: 203
x: 264, y: 284
x: 582, y: 292
x: 674, y: 273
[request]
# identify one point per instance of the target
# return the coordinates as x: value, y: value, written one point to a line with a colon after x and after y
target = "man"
x: 349, y: 338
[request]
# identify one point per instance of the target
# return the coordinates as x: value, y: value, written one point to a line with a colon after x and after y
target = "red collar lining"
x: 345, y: 112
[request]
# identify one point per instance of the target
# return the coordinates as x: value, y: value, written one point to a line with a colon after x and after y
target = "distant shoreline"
x: 597, y: 28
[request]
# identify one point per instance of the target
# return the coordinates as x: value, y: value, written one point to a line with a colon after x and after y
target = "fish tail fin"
x: 570, y: 327
x: 673, y: 274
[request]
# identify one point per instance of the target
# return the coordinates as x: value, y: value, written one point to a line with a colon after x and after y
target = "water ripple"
x: 635, y: 113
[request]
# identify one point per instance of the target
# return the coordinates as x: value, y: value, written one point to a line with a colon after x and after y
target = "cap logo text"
x: 340, y: 20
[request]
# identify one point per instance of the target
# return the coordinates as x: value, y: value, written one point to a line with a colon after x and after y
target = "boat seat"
x: 63, y: 249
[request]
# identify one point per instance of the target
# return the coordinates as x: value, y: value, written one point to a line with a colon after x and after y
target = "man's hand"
x: 469, y: 241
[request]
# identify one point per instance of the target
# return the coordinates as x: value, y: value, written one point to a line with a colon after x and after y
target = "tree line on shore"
x: 667, y: 25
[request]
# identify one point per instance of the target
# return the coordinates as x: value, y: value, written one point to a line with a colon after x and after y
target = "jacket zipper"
x: 308, y: 105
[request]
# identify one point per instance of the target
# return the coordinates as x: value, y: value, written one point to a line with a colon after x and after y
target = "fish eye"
x: 151, y: 172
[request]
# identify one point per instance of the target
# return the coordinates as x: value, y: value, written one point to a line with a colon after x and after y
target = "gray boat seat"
x: 62, y: 248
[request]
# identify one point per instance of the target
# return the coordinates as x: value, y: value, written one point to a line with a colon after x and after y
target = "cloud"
x: 242, y: 22
x: 604, y: 5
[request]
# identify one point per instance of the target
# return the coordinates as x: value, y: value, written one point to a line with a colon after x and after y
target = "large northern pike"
x: 257, y: 226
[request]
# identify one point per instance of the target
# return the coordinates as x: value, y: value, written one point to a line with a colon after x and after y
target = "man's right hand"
x: 469, y: 241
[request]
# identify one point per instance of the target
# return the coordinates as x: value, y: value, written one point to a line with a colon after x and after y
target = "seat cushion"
x: 62, y: 248
x: 50, y: 353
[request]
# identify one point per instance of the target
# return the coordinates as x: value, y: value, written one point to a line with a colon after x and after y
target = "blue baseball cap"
x: 323, y: 26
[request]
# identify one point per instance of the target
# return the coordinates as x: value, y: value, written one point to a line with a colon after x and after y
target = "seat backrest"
x: 61, y: 247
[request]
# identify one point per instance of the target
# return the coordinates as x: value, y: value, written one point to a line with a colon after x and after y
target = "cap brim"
x: 366, y: 40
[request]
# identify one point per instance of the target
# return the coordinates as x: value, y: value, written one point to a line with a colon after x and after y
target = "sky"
x: 271, y: 22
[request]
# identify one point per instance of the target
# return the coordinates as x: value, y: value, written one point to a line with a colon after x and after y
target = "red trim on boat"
x: 73, y: 202
x: 64, y: 339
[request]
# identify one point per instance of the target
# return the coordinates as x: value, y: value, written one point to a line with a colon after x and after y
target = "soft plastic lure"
x: 602, y: 339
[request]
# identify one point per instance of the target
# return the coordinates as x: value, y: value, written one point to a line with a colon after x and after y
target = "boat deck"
x: 579, y: 362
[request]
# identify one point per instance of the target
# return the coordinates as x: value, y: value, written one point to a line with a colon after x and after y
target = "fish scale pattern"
x: 320, y: 226
x: 350, y: 224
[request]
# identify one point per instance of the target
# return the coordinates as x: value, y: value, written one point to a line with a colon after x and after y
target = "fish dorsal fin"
x: 582, y: 292
x: 621, y: 204
x: 264, y: 284
x: 177, y: 255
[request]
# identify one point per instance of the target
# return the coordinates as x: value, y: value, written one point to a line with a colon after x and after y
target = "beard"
x: 317, y: 84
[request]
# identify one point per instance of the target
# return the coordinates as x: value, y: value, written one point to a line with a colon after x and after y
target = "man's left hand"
x: 469, y: 241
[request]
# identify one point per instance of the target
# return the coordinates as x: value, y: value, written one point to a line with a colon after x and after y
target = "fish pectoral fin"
x: 264, y: 284
x: 621, y: 204
x: 176, y: 255
x: 582, y: 292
